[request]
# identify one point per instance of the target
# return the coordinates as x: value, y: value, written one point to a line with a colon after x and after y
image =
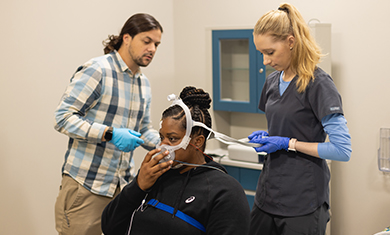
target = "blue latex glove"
x: 125, y: 139
x: 270, y: 144
x: 257, y: 133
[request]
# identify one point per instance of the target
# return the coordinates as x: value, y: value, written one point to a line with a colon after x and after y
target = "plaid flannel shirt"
x: 103, y: 92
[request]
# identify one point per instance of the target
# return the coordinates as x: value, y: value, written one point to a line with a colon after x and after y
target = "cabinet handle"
x: 261, y: 70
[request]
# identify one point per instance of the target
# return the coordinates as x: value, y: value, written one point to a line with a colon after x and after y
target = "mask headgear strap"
x: 201, y: 124
x: 190, y: 123
x: 177, y: 101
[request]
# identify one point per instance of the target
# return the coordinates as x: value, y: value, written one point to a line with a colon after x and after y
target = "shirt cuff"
x: 96, y: 132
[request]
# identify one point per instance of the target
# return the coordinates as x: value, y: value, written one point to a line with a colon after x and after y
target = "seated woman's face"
x: 172, y: 133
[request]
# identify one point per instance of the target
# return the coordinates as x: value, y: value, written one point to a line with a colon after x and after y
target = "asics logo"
x: 190, y: 199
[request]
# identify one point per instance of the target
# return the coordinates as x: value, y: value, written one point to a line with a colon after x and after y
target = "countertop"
x: 221, y: 156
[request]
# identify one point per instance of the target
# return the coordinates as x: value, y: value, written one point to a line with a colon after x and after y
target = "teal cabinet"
x: 247, y: 178
x: 238, y: 71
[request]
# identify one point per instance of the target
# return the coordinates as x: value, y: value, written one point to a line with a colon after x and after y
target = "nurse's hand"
x: 151, y: 169
x: 257, y: 134
x: 270, y: 144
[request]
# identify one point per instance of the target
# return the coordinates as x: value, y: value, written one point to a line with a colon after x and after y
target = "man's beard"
x: 140, y: 62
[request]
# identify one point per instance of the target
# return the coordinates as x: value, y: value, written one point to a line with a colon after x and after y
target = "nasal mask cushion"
x: 186, y: 139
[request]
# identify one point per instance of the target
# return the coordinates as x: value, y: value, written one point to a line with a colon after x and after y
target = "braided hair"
x: 198, y: 102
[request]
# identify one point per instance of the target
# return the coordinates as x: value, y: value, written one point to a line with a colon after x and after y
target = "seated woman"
x: 180, y: 190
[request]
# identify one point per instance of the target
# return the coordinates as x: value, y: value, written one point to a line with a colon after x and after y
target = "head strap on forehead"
x: 177, y: 101
x: 190, y: 123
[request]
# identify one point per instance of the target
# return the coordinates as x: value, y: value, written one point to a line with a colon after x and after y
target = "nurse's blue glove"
x: 270, y: 144
x: 257, y: 134
x: 125, y: 139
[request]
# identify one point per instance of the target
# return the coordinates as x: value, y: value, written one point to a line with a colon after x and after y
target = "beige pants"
x: 77, y: 210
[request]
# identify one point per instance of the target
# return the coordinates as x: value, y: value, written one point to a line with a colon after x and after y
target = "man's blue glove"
x: 270, y: 144
x: 125, y: 139
x: 257, y: 134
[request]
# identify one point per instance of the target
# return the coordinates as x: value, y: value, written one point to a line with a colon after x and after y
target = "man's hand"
x: 125, y: 139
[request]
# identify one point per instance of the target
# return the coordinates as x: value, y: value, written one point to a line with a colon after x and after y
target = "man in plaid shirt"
x: 105, y: 111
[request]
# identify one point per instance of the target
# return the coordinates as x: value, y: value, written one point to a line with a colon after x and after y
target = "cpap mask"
x: 186, y: 139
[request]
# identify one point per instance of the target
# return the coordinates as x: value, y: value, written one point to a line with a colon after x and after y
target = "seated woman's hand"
x: 151, y: 169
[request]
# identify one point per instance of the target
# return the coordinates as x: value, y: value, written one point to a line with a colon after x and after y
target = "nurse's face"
x: 276, y: 53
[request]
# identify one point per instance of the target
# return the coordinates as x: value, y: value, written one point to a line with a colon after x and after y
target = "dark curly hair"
x: 198, y: 102
x: 136, y: 24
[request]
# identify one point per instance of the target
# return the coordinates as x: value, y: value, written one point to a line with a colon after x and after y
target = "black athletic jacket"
x: 202, y: 196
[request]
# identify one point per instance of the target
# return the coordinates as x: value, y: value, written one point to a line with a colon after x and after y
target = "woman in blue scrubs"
x: 302, y: 106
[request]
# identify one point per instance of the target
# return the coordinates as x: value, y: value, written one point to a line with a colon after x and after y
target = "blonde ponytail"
x: 306, y: 54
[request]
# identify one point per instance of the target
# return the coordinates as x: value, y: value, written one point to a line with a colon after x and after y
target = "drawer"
x: 233, y: 171
x: 249, y: 178
x: 251, y: 200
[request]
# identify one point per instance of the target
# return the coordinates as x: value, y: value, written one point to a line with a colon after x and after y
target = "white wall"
x: 44, y: 41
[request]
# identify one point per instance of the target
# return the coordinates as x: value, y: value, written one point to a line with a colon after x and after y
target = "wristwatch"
x: 108, y: 134
x: 291, y: 145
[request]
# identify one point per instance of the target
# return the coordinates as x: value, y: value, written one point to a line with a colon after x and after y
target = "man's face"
x: 143, y: 46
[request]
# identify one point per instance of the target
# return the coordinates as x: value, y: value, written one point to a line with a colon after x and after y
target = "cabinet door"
x: 237, y: 82
x: 247, y: 178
